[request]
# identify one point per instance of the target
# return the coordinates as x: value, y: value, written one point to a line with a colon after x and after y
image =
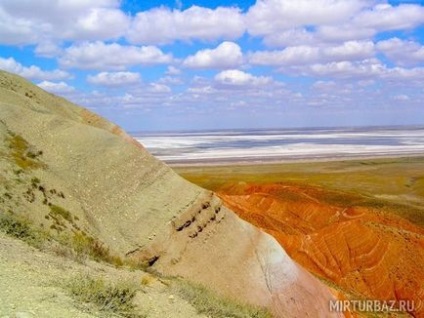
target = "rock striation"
x: 364, y: 250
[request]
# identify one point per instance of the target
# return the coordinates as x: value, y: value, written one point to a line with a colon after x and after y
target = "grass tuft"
x: 110, y: 298
x: 21, y: 228
x: 56, y: 210
x: 85, y: 245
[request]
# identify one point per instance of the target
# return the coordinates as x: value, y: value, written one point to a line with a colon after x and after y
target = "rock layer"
x: 72, y: 172
x: 366, y: 251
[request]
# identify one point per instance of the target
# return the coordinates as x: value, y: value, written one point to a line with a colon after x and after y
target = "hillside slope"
x: 356, y: 224
x: 366, y: 251
x: 77, y: 176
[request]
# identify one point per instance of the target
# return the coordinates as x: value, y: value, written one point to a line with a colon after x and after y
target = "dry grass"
x: 113, y: 299
x: 21, y: 228
x: 209, y: 303
x: 22, y: 153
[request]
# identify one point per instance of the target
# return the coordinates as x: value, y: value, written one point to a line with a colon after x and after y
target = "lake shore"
x: 275, y: 160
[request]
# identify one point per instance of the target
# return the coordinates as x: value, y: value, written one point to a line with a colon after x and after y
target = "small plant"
x: 56, y: 210
x: 85, y: 245
x: 112, y: 298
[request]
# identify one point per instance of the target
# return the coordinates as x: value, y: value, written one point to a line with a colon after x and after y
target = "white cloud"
x: 226, y: 55
x: 32, y: 72
x: 240, y: 78
x: 159, y: 88
x: 306, y: 22
x: 48, y: 49
x: 300, y: 55
x: 367, y: 69
x: 60, y: 88
x: 402, y: 52
x: 401, y: 97
x: 28, y: 22
x: 351, y: 50
x: 288, y: 14
x: 375, y: 19
x: 345, y: 32
x: 346, y: 69
x: 172, y: 70
x: 163, y: 25
x: 101, y: 56
x: 292, y: 37
x: 290, y: 55
x: 115, y: 79
x: 384, y: 17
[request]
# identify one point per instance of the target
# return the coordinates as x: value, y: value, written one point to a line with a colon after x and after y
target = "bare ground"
x: 32, y: 284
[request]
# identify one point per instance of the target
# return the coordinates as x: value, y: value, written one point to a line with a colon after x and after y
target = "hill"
x: 83, y: 183
x: 358, y: 225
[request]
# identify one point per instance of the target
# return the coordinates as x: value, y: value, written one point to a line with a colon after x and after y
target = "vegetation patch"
x: 23, y: 154
x: 22, y: 229
x: 107, y: 297
x: 56, y: 210
x: 207, y: 302
x: 85, y: 245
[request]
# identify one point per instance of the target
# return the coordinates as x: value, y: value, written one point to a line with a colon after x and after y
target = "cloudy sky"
x: 187, y: 64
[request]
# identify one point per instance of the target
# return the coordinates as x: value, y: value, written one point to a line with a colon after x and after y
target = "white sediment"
x: 221, y: 147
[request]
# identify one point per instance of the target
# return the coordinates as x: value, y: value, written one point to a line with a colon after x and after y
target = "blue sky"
x: 182, y: 65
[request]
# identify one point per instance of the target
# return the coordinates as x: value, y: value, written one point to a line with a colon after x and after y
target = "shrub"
x: 21, y: 228
x: 85, y: 245
x: 56, y: 210
x: 113, y: 298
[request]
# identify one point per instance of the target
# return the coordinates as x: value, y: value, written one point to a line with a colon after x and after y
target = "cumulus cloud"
x: 60, y: 88
x: 384, y: 17
x: 48, y: 49
x: 101, y: 56
x: 375, y: 19
x: 368, y: 69
x: 287, y: 14
x: 240, y: 78
x: 114, y: 79
x: 32, y: 72
x: 402, y: 52
x: 300, y: 55
x: 28, y: 22
x: 323, y: 21
x: 226, y: 55
x: 159, y: 88
x: 163, y: 25
x: 172, y: 70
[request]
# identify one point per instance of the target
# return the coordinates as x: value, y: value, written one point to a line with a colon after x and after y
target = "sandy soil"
x: 32, y: 286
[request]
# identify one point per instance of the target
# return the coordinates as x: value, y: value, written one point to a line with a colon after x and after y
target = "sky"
x: 193, y: 65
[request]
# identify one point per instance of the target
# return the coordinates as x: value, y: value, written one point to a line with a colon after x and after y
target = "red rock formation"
x: 367, y: 252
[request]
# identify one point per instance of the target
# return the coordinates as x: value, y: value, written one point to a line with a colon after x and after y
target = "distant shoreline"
x: 275, y: 160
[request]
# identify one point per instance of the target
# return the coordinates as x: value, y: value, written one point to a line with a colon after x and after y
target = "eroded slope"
x: 76, y: 175
x: 357, y: 244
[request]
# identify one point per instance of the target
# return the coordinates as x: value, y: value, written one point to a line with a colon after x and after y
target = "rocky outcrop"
x: 367, y: 251
x: 72, y: 172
